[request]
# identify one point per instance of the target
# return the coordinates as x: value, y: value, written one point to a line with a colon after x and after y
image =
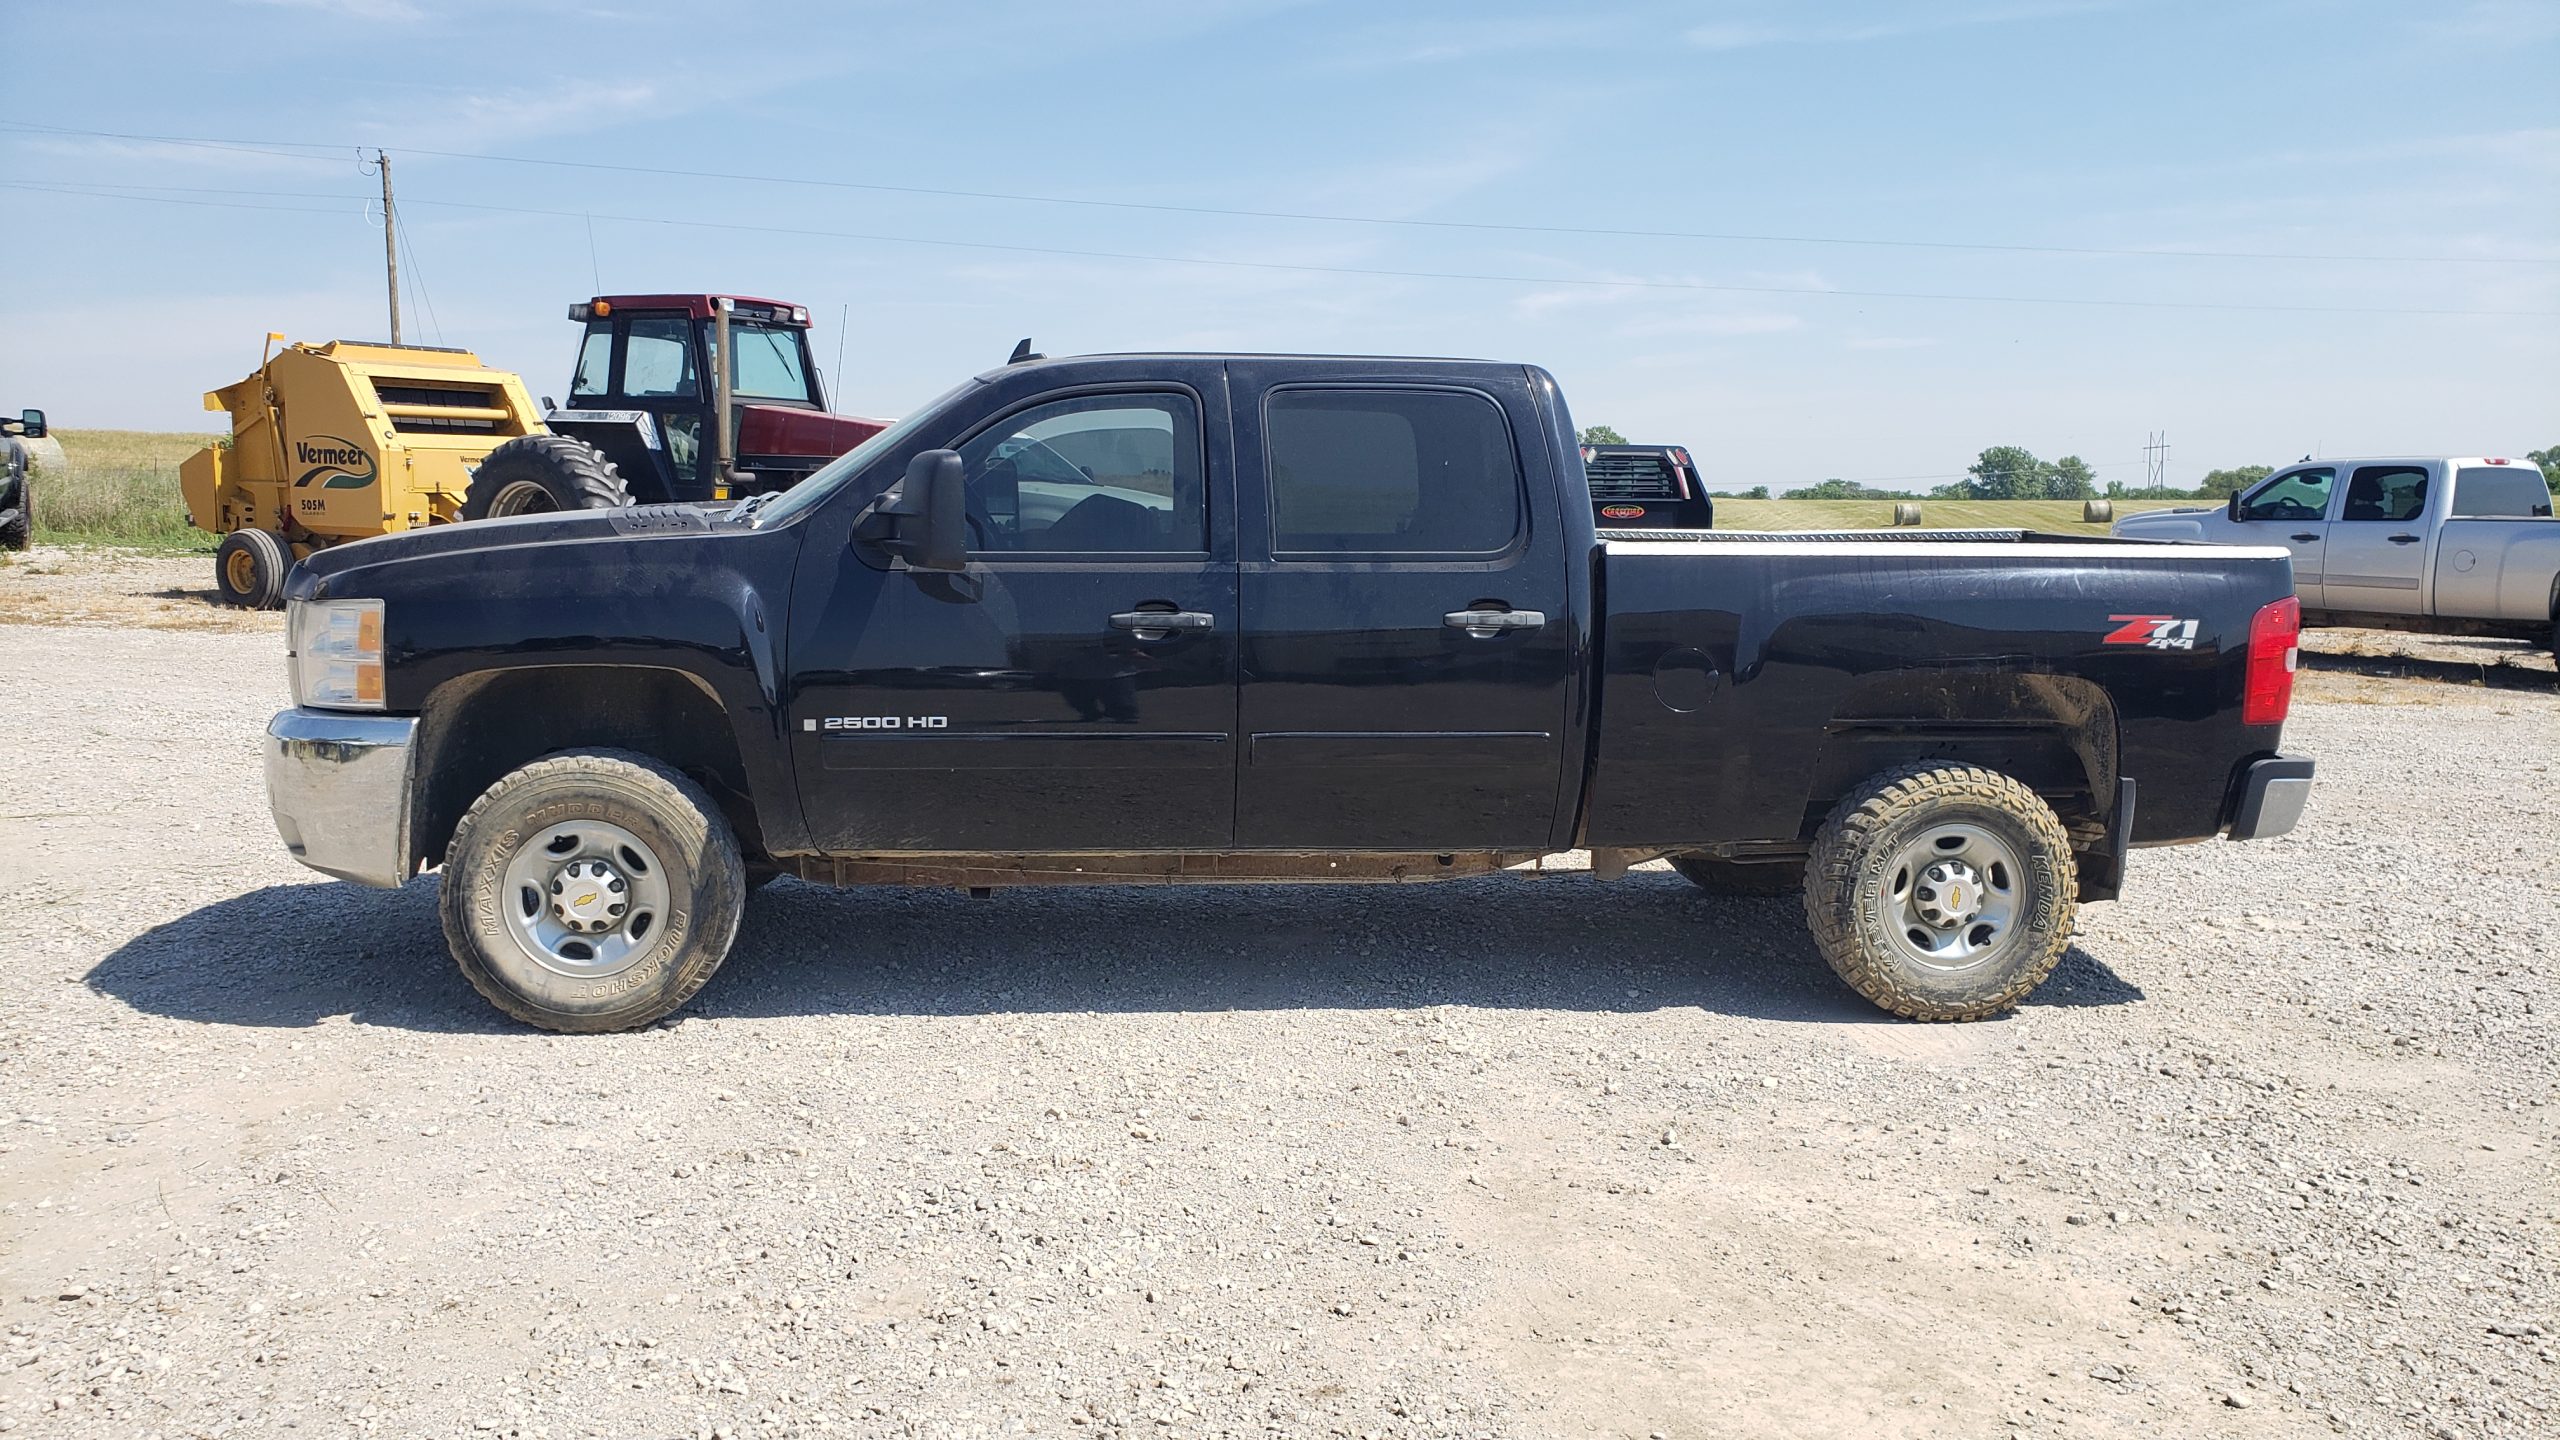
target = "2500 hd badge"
x: 877, y: 722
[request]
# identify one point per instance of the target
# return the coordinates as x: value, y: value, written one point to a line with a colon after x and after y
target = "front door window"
x: 2300, y: 495
x: 1096, y: 475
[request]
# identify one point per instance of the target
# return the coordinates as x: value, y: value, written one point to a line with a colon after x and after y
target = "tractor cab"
x: 702, y: 397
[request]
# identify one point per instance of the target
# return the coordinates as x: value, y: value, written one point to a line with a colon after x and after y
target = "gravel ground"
x: 2270, y: 1156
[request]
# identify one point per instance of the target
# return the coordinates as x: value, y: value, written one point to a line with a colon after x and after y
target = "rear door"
x: 2378, y: 544
x: 2290, y: 510
x: 1076, y: 688
x: 1407, y: 651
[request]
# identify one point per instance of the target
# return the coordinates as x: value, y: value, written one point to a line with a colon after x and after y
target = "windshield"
x: 827, y: 479
x: 769, y: 365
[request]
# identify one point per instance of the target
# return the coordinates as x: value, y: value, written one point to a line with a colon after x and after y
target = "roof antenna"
x: 1023, y: 352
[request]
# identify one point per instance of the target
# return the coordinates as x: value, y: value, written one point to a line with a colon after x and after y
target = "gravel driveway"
x: 2271, y: 1156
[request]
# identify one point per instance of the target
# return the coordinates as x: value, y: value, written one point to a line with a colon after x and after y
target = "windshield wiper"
x: 746, y: 509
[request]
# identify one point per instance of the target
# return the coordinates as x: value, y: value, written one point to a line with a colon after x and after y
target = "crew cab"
x: 2461, y: 545
x: 1166, y: 619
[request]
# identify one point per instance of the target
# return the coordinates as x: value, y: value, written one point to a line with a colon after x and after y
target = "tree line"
x: 2013, y: 472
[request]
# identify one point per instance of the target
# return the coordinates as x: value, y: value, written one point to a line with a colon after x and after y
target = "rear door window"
x: 2393, y: 493
x: 1390, y: 472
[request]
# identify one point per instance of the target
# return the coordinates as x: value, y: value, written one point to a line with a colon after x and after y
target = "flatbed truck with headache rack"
x: 1166, y: 619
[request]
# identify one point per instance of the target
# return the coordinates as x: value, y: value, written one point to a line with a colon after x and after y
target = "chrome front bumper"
x: 339, y: 786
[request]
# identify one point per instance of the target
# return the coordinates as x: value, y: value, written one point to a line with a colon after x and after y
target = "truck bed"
x: 1747, y: 679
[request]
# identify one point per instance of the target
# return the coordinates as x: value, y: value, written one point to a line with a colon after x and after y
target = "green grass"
x: 122, y: 489
x: 2053, y: 515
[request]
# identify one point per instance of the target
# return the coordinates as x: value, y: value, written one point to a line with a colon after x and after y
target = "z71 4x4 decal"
x: 2158, y: 632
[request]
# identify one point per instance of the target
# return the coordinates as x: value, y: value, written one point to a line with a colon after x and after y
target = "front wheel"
x: 15, y: 531
x: 1942, y: 892
x: 591, y: 890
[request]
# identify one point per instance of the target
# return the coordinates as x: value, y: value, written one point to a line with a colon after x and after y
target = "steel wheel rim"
x: 242, y: 571
x: 560, y: 896
x: 523, y: 497
x: 1951, y: 897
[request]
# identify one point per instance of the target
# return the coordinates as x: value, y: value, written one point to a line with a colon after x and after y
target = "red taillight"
x: 2275, y: 648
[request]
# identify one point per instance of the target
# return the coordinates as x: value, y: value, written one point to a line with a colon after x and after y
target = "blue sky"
x: 2426, y: 134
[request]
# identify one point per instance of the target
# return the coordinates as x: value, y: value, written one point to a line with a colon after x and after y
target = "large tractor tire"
x: 591, y: 890
x: 1725, y: 877
x: 249, y: 569
x: 537, y: 474
x: 1942, y: 892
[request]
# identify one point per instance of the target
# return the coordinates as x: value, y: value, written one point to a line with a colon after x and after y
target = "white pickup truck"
x: 2462, y: 545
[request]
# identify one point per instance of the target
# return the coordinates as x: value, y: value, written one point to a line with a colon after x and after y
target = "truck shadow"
x: 294, y: 955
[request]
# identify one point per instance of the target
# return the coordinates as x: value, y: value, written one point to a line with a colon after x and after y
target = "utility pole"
x: 390, y: 242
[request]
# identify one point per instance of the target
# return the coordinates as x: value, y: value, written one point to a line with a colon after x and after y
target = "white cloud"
x: 1723, y: 323
x: 500, y: 117
x: 1747, y: 34
x: 2498, y: 22
x: 399, y: 11
x: 1890, y: 342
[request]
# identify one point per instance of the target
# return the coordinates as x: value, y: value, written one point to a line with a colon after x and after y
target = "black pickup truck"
x: 1149, y: 619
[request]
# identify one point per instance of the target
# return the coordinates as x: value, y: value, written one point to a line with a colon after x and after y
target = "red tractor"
x: 691, y: 398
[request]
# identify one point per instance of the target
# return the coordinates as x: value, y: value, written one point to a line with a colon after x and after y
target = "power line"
x: 1691, y: 286
x: 46, y: 188
x: 1314, y: 216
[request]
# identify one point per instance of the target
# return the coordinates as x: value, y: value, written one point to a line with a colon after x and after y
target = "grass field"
x: 122, y: 489
x: 2054, y: 515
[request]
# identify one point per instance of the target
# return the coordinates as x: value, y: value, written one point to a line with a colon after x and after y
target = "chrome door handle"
x: 1484, y: 624
x: 1157, y: 624
x: 2402, y: 539
x: 2307, y: 539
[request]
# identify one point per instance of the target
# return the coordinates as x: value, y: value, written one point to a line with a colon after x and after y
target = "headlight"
x: 335, y: 653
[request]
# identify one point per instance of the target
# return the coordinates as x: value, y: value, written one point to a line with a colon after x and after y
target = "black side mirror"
x: 2231, y: 507
x: 925, y: 522
x: 31, y: 424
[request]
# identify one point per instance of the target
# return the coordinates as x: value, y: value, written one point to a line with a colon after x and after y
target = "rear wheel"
x: 1725, y: 877
x: 536, y: 474
x: 591, y: 890
x: 1943, y: 892
x: 249, y: 567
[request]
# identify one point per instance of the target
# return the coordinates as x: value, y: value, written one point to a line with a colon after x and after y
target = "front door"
x: 1407, y: 633
x: 2377, y: 545
x: 2290, y: 510
x: 1076, y: 688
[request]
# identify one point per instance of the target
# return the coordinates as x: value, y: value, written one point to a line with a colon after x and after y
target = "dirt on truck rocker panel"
x: 1159, y: 619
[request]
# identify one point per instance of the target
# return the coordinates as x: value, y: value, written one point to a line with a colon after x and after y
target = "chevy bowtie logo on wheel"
x: 334, y: 463
x: 2157, y: 632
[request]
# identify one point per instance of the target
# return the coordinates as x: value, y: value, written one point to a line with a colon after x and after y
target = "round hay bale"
x: 45, y: 457
x: 2097, y: 512
x: 1906, y: 513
